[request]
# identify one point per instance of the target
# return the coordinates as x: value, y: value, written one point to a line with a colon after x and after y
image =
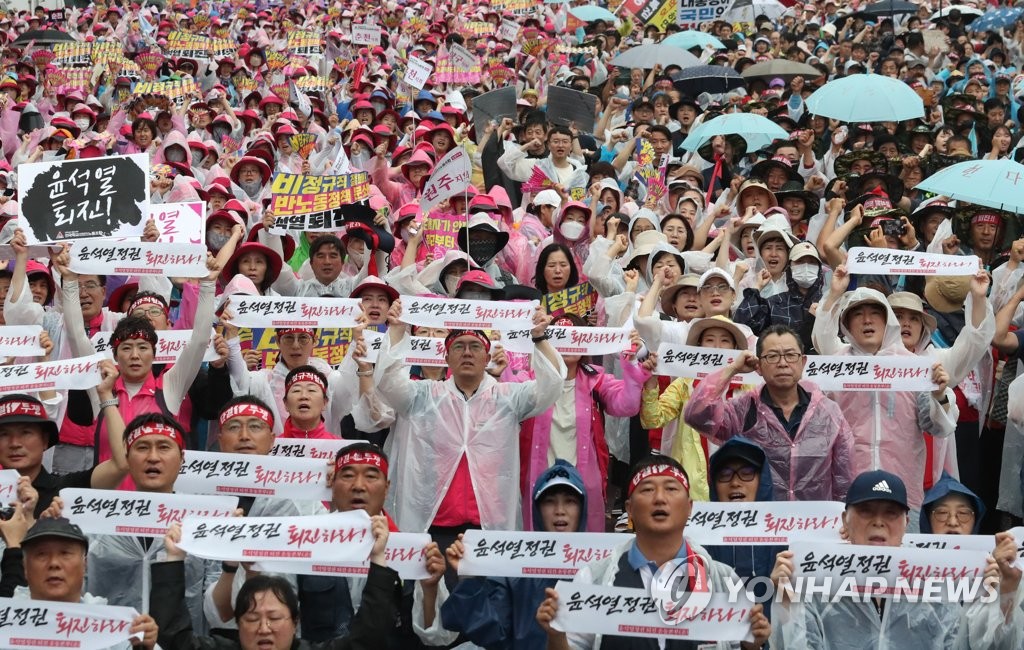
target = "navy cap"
x: 877, y: 485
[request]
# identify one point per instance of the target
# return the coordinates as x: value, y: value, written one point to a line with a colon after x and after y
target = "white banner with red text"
x: 279, y: 312
x: 533, y: 554
x: 453, y: 313
x: 138, y: 514
x: 139, y: 258
x: 279, y: 477
x: 26, y: 623
x: 67, y: 374
x: 406, y: 553
x: 169, y: 345
x: 764, y: 523
x: 883, y: 261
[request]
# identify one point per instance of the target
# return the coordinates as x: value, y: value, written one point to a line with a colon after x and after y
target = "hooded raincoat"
x: 943, y: 487
x: 501, y: 613
x: 887, y: 426
x: 438, y: 429
x: 814, y: 465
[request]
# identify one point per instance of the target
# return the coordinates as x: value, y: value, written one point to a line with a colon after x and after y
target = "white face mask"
x: 470, y: 294
x: 174, y: 154
x: 360, y: 159
x: 571, y: 230
x: 357, y: 258
x: 804, y: 274
x: 83, y: 123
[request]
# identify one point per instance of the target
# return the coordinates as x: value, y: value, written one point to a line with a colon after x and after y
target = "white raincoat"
x: 887, y: 426
x: 435, y: 425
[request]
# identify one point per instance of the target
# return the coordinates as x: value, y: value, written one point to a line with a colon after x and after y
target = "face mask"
x: 571, y: 230
x: 83, y: 123
x: 251, y: 188
x: 216, y: 240
x: 483, y: 251
x: 357, y: 258
x: 475, y: 295
x: 53, y: 155
x: 804, y: 274
x: 219, y: 132
x: 360, y: 159
x: 174, y: 154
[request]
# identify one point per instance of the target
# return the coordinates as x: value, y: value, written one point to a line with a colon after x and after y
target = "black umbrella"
x: 887, y: 8
x: 42, y: 37
x: 712, y: 79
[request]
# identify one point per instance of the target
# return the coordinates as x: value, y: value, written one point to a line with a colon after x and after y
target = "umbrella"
x: 689, y: 39
x: 713, y: 79
x: 996, y: 20
x: 887, y: 8
x: 591, y: 12
x: 647, y: 56
x: 758, y: 131
x: 967, y: 13
x: 745, y: 11
x: 992, y: 183
x: 781, y: 68
x: 42, y: 37
x: 866, y: 98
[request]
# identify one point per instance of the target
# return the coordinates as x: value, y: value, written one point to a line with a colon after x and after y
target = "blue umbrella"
x: 758, y: 131
x: 996, y: 19
x: 689, y: 39
x: 866, y: 98
x: 591, y: 12
x: 993, y: 183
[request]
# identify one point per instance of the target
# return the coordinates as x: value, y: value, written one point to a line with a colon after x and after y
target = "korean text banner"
x: 26, y: 623
x: 301, y: 194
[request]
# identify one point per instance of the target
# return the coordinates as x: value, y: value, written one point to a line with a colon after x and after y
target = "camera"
x: 6, y: 513
x: 893, y: 228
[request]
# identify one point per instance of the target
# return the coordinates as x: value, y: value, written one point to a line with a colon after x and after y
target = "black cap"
x: 20, y: 408
x: 59, y: 527
x: 877, y: 485
x: 746, y: 452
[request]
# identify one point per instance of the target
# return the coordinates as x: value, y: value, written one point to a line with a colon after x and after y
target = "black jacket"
x: 374, y: 620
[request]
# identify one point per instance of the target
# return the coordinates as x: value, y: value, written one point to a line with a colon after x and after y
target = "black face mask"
x: 483, y: 250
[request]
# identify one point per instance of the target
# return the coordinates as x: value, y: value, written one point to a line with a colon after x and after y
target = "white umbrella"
x: 647, y: 56
x: 745, y: 11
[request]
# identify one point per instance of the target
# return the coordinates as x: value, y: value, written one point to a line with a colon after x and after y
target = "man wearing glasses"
x: 803, y: 433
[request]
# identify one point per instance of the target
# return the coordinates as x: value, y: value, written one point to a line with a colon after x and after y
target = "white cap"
x: 716, y: 272
x: 547, y: 197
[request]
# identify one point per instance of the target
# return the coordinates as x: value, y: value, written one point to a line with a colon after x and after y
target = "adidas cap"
x: 877, y: 485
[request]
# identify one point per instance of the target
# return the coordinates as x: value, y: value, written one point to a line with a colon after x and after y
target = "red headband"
x: 21, y: 407
x: 142, y: 301
x: 140, y: 335
x: 986, y: 217
x: 564, y: 322
x: 657, y: 470
x: 155, y: 429
x: 306, y: 376
x: 251, y: 410
x: 454, y: 334
x: 294, y: 330
x: 361, y: 458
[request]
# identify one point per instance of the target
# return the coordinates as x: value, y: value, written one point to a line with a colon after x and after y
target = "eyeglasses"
x: 720, y: 289
x: 475, y: 348
x: 257, y: 622
x: 153, y: 312
x: 90, y: 286
x: 747, y: 473
x: 774, y: 357
x: 290, y: 339
x: 945, y: 514
x: 235, y: 427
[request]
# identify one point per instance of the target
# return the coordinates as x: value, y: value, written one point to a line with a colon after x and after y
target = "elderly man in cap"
x: 456, y: 442
x: 877, y: 514
x: 54, y: 553
x: 659, y: 506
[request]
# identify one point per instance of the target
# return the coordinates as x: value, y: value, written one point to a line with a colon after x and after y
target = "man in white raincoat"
x: 888, y: 427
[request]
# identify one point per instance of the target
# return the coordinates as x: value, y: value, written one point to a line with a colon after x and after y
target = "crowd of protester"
x: 736, y: 247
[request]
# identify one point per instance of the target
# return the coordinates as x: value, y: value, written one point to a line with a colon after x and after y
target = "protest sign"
x: 580, y: 299
x: 406, y: 553
x: 508, y: 30
x: 567, y: 106
x: 493, y: 106
x: 63, y: 200
x: 220, y: 48
x: 964, y: 542
x: 138, y: 514
x: 691, y: 14
x: 417, y: 73
x: 27, y: 623
x: 451, y: 313
x: 8, y: 486
x: 71, y: 54
x: 331, y: 344
x: 585, y: 341
x: 659, y: 13
x: 187, y: 45
x: 514, y: 554
x: 440, y: 233
x: 304, y: 42
x: 365, y: 35
x: 311, y: 83
x: 764, y: 523
x: 329, y: 221
x: 425, y: 351
x: 179, y: 223
x: 139, y: 258
x: 320, y: 449
x: 177, y: 91
x: 885, y: 571
x: 80, y: 374
x: 74, y: 78
x: 839, y: 373
x: 278, y: 477
x: 882, y: 261
x: 333, y: 537
x: 694, y: 362
x: 20, y: 341
x: 463, y: 59
x: 593, y: 609
x: 450, y: 176
x: 259, y: 311
x: 55, y: 15
x: 302, y: 194
x: 477, y: 28
x: 169, y: 345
